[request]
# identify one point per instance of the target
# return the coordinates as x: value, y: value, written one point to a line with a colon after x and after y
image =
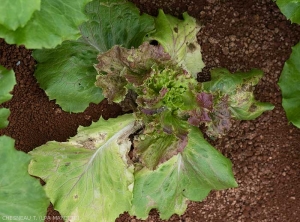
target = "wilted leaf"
x: 233, y: 98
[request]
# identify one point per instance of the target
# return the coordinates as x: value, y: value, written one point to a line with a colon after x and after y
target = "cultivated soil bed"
x: 237, y: 35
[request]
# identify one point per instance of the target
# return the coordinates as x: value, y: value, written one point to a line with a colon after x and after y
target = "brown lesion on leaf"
x: 92, y: 142
x: 253, y: 108
x: 191, y: 47
x: 89, y: 144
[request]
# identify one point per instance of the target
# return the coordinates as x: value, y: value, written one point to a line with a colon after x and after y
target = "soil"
x: 237, y: 35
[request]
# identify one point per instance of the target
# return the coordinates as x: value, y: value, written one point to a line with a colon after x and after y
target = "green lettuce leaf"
x: 178, y: 37
x: 189, y: 175
x: 17, y: 13
x: 7, y: 82
x: 67, y: 75
x: 289, y: 83
x: 290, y: 8
x: 234, y: 98
x: 20, y: 194
x: 58, y: 20
x: 115, y: 22
x: 89, y: 176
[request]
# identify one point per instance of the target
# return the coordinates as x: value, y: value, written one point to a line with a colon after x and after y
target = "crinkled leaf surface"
x: 58, y: 20
x: 290, y: 8
x: 289, y: 83
x: 7, y: 82
x: 115, y: 22
x: 178, y: 37
x: 120, y: 67
x: 168, y: 88
x: 16, y: 13
x: 67, y: 74
x: 238, y: 87
x: 88, y: 177
x: 20, y: 194
x: 188, y: 175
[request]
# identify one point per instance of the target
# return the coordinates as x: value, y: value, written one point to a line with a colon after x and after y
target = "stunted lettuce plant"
x: 91, y: 176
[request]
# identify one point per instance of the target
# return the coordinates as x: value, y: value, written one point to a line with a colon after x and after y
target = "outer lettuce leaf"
x: 290, y: 8
x: 7, y: 82
x: 188, y: 175
x: 67, y: 74
x: 178, y: 37
x: 115, y: 22
x: 236, y: 95
x: 17, y: 13
x: 20, y: 194
x: 89, y: 176
x: 289, y: 83
x: 120, y: 67
x: 58, y: 20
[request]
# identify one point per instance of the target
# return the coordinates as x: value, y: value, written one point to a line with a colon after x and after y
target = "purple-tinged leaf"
x: 119, y: 67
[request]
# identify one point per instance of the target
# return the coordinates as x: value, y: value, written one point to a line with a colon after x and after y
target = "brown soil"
x: 238, y: 35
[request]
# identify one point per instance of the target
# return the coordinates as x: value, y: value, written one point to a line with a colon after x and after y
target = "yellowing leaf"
x: 89, y: 177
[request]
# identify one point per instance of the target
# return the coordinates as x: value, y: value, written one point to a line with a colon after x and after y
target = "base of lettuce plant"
x: 91, y: 176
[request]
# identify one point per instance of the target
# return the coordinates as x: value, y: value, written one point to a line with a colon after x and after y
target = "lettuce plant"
x: 92, y: 175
